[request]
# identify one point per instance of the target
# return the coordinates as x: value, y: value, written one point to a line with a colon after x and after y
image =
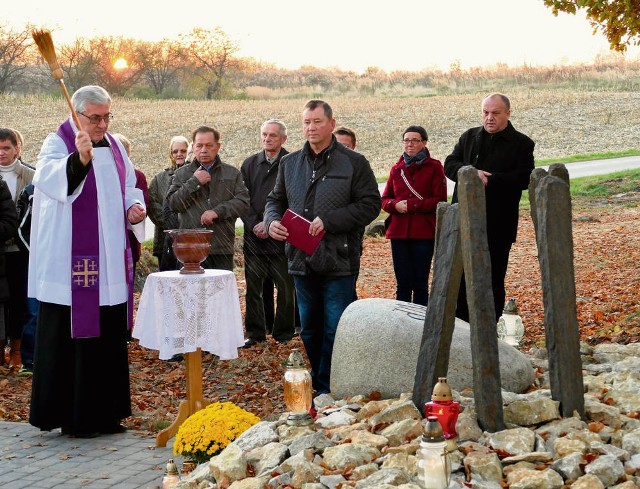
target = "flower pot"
x: 191, y: 247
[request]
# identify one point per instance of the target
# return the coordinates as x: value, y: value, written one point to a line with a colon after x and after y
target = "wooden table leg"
x: 194, y: 379
x: 170, y: 431
x: 194, y: 402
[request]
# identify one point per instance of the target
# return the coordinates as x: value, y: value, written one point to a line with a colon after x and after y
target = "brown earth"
x: 607, y: 270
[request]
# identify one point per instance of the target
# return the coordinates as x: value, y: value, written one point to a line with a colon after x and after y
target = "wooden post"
x: 439, y: 321
x: 560, y: 171
x: 556, y: 170
x: 554, y: 239
x: 482, y: 316
x: 536, y: 175
x: 194, y: 401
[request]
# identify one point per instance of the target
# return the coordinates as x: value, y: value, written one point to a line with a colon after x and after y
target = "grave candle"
x: 434, y: 465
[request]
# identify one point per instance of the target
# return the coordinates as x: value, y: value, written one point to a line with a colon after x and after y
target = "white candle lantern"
x: 434, y: 464
x: 510, y: 327
x: 171, y: 476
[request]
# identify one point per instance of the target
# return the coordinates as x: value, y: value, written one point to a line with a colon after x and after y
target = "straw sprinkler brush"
x: 43, y: 40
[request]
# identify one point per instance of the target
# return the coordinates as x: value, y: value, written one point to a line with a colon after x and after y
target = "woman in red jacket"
x: 415, y: 185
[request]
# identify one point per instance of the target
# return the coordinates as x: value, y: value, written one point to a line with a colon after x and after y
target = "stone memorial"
x: 377, y: 345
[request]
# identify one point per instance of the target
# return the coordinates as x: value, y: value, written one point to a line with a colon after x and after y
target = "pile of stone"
x: 359, y: 442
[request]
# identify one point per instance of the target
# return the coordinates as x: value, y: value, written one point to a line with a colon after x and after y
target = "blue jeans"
x: 321, y: 302
x: 29, y: 332
x: 411, y: 264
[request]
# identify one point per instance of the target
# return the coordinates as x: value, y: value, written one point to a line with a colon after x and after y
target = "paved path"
x: 30, y: 458
x: 583, y: 168
x: 602, y: 167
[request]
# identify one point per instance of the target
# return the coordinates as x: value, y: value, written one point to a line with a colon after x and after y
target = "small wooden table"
x: 186, y: 314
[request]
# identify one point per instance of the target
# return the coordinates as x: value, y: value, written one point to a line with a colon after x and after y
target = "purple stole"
x: 85, y: 247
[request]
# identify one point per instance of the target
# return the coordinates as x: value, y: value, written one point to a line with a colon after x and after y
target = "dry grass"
x: 562, y: 122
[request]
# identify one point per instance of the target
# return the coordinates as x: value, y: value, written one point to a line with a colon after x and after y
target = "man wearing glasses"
x: 80, y: 270
x: 207, y: 193
x: 160, y: 214
x: 504, y: 160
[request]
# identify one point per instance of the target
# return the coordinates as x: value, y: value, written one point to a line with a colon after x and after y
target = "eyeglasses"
x: 176, y: 151
x: 95, y: 119
x: 412, y: 141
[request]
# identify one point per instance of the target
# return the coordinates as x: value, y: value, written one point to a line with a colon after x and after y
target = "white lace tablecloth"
x: 179, y: 313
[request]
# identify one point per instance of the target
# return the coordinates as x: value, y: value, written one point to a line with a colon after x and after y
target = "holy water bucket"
x: 191, y: 247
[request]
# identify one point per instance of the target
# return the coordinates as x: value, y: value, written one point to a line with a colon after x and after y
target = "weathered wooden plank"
x: 555, y: 255
x: 477, y: 270
x: 559, y: 170
x: 534, y: 179
x: 439, y: 322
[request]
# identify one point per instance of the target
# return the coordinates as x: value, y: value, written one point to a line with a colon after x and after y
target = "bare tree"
x: 79, y: 63
x: 108, y: 50
x: 160, y: 63
x: 211, y: 53
x: 16, y: 54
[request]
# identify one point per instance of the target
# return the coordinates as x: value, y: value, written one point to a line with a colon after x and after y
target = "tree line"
x: 203, y: 64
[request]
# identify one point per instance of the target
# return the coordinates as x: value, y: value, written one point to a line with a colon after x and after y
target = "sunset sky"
x: 348, y: 34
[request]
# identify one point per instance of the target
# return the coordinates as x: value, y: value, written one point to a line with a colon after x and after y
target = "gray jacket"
x: 339, y: 187
x: 157, y: 190
x: 225, y: 194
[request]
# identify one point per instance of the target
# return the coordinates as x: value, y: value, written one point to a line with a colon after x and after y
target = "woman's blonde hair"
x: 174, y: 140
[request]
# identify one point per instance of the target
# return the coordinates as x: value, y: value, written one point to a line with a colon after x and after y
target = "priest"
x: 80, y: 270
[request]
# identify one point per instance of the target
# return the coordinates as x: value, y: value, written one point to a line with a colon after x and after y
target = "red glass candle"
x: 444, y: 408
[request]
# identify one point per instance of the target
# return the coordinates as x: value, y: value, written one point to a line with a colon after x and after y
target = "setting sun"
x: 568, y: 39
x: 120, y: 64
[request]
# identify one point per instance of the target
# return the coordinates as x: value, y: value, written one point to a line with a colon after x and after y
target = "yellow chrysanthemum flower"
x: 207, y: 432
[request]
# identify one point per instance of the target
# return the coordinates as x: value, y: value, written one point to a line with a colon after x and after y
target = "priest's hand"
x: 84, y: 147
x: 136, y: 214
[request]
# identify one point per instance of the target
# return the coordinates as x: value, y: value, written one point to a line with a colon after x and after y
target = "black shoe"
x: 251, y: 342
x: 178, y: 357
x: 297, y: 331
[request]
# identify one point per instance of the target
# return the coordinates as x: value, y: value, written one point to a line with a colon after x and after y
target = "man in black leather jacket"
x: 335, y: 189
x: 504, y: 159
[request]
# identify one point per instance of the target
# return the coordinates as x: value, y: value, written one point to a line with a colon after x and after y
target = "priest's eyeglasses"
x: 95, y: 119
